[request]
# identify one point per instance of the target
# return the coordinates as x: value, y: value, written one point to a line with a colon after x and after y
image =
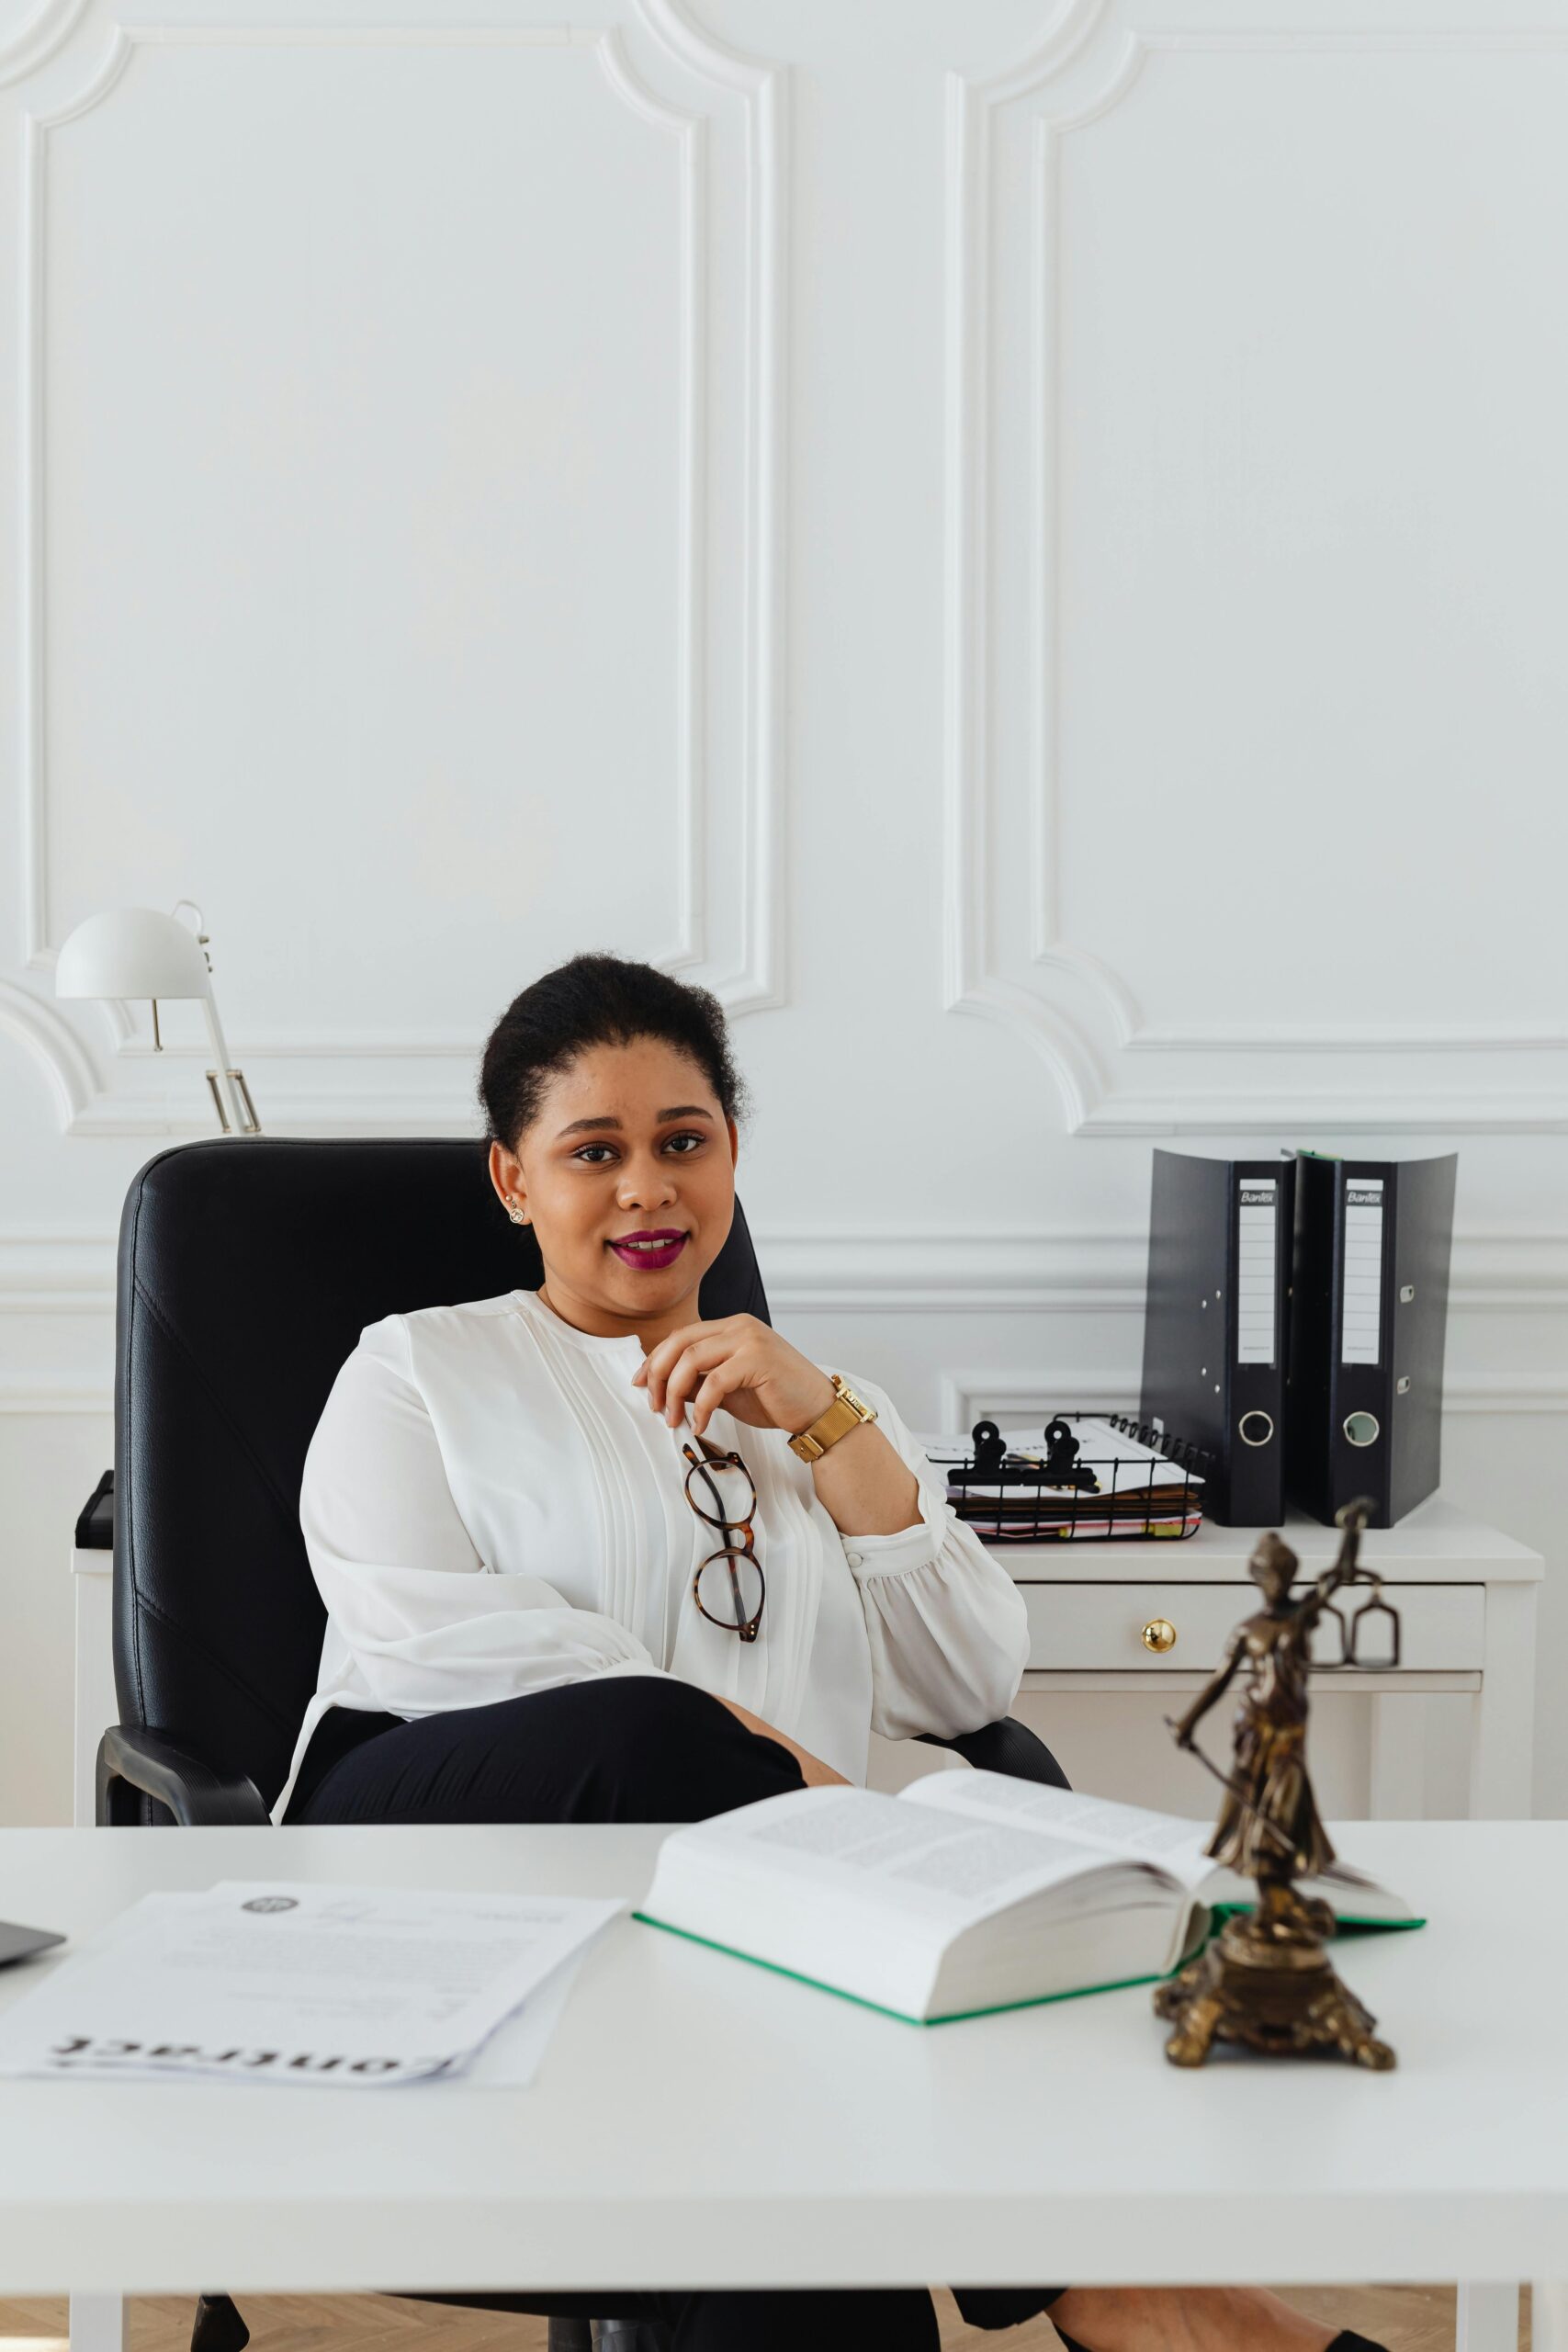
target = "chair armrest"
x: 95, y: 1524
x: 1007, y: 1746
x: 132, y: 1763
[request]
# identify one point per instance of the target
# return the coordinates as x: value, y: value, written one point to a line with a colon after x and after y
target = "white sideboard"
x: 1467, y: 1603
x: 1466, y: 1596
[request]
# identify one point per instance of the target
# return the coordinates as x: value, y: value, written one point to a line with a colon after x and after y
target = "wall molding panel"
x: 1033, y: 1271
x: 45, y: 1403
x: 343, y: 1080
x: 1084, y: 68
x: 966, y: 1395
x: 57, y: 1048
x: 1036, y: 570
x: 996, y: 1267
x: 49, y: 27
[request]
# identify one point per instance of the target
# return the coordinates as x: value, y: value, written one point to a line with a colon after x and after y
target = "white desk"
x: 1466, y: 1596
x: 696, y: 2121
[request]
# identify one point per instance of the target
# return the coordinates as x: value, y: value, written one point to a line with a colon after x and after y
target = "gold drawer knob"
x: 1159, y: 1633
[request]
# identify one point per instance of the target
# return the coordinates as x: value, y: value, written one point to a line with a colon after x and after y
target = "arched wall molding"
x: 38, y: 954
x: 1091, y: 1101
x: 968, y: 816
x: 757, y: 979
x: 49, y: 28
x: 72, y: 1074
x: 1050, y: 947
x: 763, y: 92
x: 690, y: 132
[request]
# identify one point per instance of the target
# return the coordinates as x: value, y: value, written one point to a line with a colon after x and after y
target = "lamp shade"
x: 131, y: 951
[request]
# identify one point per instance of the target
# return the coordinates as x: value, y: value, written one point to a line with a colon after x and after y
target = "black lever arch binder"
x: 1214, y: 1328
x: 1368, y: 1323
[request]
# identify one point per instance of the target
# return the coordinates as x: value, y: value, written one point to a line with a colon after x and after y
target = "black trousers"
x: 635, y: 1747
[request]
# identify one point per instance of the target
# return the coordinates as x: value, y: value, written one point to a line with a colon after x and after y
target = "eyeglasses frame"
x: 745, y: 1627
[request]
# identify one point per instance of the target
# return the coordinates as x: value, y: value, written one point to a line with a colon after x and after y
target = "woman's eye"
x: 687, y: 1134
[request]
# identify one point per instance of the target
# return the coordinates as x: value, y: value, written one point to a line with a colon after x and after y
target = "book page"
x: 1351, y: 1895
x: 1166, y: 1841
x: 873, y: 1851
x: 969, y: 1870
x: 1115, y: 1832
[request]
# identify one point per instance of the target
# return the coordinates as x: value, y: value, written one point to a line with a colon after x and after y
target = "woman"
x: 495, y: 1504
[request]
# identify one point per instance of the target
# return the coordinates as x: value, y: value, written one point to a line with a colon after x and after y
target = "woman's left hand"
x: 740, y: 1364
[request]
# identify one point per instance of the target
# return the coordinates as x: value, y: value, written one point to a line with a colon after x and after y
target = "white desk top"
x: 698, y: 2121
x: 1435, y: 1543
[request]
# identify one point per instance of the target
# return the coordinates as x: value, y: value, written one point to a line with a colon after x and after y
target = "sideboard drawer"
x: 1442, y: 1626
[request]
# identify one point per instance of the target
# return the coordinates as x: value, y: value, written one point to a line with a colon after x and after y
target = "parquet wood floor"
x: 1407, y: 2319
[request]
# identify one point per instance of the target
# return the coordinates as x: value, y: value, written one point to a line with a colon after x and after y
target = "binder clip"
x: 1062, y: 1466
x: 990, y: 1449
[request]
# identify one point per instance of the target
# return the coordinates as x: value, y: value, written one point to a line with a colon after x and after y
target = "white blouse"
x: 489, y: 1508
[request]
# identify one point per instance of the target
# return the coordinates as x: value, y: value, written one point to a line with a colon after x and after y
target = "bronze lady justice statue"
x: 1266, y: 1980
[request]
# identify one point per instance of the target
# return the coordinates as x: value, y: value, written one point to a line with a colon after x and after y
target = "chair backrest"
x: 247, y: 1269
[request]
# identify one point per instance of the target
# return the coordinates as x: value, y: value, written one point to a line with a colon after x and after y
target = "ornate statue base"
x: 1266, y: 1980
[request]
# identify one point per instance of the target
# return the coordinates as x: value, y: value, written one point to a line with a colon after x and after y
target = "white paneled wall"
x: 930, y: 508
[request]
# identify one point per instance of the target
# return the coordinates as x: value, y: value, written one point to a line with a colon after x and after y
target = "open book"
x: 967, y: 1891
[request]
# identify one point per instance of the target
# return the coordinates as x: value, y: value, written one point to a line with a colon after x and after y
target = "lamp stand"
x: 236, y: 1116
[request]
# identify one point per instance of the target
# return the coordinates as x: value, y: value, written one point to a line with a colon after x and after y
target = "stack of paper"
x: 294, y: 1983
x: 1139, y: 1492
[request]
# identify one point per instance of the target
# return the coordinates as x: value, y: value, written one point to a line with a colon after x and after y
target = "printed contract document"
x: 346, y: 1986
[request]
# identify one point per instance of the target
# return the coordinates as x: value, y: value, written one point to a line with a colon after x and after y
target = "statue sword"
x: 1271, y: 1829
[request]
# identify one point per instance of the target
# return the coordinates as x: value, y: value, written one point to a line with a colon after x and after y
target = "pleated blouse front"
x: 489, y: 1508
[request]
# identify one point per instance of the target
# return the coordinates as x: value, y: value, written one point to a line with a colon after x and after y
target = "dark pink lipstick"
x: 661, y: 1248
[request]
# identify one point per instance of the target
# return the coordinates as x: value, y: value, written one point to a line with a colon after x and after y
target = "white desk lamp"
x: 134, y: 952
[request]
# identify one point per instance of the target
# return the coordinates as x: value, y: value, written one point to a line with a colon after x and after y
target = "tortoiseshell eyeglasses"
x: 727, y: 1587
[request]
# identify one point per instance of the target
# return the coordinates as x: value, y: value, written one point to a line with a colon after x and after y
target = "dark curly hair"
x: 597, y: 1000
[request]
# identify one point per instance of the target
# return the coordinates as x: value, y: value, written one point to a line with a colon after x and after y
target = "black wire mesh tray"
x: 1152, y: 1493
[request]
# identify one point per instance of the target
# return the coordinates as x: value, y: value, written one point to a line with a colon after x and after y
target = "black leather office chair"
x: 247, y: 1269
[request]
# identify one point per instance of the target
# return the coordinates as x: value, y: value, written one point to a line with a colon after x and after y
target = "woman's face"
x: 629, y: 1139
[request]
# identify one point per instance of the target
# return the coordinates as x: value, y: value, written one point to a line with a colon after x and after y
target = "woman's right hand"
x: 815, y: 1774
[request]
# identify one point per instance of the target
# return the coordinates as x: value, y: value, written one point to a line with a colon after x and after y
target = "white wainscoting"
x: 1229, y: 311
x: 480, y: 365
x: 953, y: 1325
x: 1041, y: 510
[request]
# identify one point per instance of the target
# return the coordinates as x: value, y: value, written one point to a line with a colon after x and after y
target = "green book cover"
x: 1219, y: 1915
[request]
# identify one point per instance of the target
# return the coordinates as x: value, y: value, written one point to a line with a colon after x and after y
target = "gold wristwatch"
x: 846, y: 1412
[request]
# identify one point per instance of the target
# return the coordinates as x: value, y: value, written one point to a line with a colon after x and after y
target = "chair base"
x: 609, y: 2336
x: 218, y: 2327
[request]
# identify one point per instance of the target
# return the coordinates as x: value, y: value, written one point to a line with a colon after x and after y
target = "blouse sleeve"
x: 428, y: 1622
x: 949, y: 1631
